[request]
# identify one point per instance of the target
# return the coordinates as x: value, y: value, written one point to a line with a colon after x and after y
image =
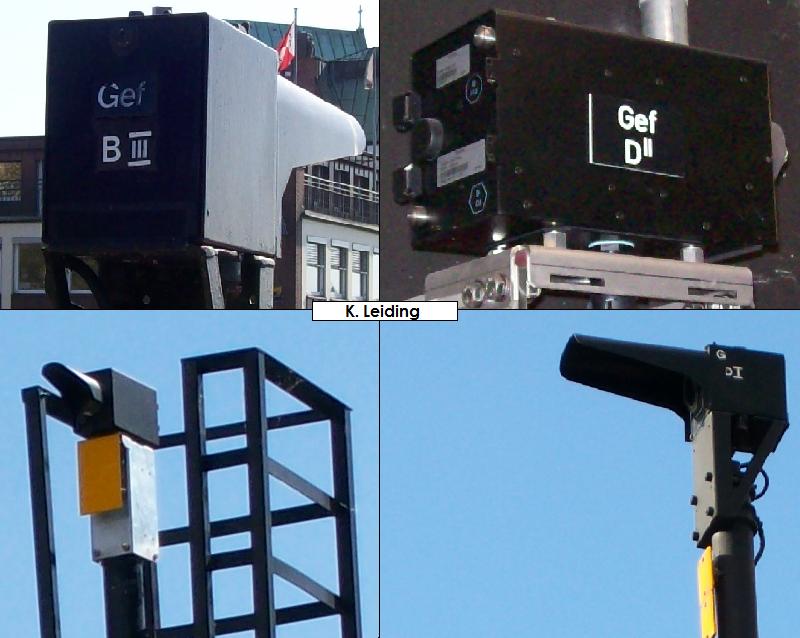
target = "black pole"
x: 735, y: 576
x: 124, y: 588
x: 42, y: 511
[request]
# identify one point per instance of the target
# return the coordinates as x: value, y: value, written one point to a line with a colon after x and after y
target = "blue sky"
x: 23, y: 39
x: 516, y: 503
x: 340, y: 358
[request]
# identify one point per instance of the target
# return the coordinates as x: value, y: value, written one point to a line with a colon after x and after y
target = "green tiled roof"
x: 342, y: 80
x: 329, y: 44
x: 343, y: 83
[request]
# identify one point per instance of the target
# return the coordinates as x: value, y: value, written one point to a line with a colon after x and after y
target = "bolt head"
x: 473, y: 295
x: 709, y: 476
x: 695, y: 536
x: 693, y: 500
x: 484, y: 37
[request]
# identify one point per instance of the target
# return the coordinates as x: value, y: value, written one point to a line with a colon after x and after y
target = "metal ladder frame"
x: 257, y: 367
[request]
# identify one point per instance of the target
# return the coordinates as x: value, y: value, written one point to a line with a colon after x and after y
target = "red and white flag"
x: 286, y: 49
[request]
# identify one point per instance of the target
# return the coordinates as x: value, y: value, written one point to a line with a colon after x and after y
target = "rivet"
x: 608, y: 73
x: 709, y: 511
x: 518, y: 170
x: 516, y: 52
x: 527, y: 204
x: 709, y: 476
x: 695, y: 536
x: 749, y: 186
x: 707, y: 226
x: 693, y: 500
x: 611, y: 188
x: 659, y: 82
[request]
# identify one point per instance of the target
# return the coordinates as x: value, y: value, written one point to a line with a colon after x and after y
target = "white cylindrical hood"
x: 311, y: 130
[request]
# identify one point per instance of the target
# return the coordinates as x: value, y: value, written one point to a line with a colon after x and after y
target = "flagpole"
x: 375, y: 91
x: 296, y: 50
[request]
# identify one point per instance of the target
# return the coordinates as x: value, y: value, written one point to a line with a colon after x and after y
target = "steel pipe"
x: 665, y: 20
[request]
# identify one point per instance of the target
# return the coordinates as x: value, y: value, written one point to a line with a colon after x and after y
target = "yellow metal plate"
x: 705, y: 587
x: 100, y: 474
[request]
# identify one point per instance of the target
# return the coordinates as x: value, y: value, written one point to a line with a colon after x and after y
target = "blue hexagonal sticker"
x: 477, y: 198
x: 473, y: 88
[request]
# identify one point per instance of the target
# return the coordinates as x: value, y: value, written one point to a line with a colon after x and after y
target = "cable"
x: 754, y: 496
x: 762, y: 541
x: 763, y: 491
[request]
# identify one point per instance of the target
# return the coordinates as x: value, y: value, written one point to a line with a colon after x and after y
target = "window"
x: 315, y: 269
x: 76, y: 282
x: 10, y: 181
x: 361, y: 181
x: 361, y: 274
x: 341, y: 198
x: 339, y: 273
x: 342, y: 177
x: 323, y: 172
x: 28, y: 267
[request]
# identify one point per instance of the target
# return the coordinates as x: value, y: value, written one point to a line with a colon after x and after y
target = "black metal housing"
x: 747, y: 383
x: 87, y: 209
x: 528, y: 100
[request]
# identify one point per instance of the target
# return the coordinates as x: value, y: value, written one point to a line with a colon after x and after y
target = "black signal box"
x: 160, y: 134
x: 520, y: 124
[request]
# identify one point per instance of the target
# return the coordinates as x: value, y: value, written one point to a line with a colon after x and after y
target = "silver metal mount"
x: 516, y: 278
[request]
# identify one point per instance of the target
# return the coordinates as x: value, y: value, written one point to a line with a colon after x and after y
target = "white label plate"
x: 452, y: 66
x: 461, y: 163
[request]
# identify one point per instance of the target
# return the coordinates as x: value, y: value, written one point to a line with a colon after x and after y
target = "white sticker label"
x: 461, y: 163
x: 452, y: 66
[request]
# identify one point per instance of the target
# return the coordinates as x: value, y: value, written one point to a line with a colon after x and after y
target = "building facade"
x: 331, y: 210
x: 21, y: 264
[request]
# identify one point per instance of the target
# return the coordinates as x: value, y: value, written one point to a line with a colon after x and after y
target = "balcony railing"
x: 341, y: 200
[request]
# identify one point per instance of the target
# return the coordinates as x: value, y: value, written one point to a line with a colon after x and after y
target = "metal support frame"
x: 257, y: 367
x: 725, y: 519
x: 517, y: 277
x: 201, y: 268
x: 119, y: 576
x: 130, y: 584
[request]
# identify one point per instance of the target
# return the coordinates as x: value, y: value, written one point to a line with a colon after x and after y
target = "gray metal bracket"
x: 212, y: 282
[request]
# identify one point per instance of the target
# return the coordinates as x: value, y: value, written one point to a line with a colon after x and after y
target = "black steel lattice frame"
x: 257, y: 367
